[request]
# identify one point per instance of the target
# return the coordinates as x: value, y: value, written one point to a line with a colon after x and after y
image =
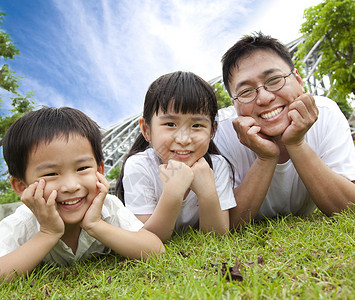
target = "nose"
x: 183, y: 137
x: 69, y: 184
x: 264, y: 97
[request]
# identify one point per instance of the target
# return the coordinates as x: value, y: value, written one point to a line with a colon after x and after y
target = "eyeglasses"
x: 273, y: 84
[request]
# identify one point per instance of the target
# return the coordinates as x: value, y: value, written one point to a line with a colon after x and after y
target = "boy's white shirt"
x: 143, y: 188
x: 22, y: 225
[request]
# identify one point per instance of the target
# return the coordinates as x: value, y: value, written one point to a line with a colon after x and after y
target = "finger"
x: 28, y: 193
x: 253, y: 130
x: 308, y: 101
x: 102, y: 179
x: 245, y: 121
x: 52, y: 197
x: 296, y: 117
x: 102, y: 187
x: 304, y: 112
x: 39, y: 190
x: 311, y: 106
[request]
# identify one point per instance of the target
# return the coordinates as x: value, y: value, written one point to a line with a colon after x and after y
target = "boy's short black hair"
x: 246, y: 46
x: 44, y: 125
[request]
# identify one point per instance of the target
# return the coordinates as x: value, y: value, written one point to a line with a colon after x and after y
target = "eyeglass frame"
x: 257, y: 89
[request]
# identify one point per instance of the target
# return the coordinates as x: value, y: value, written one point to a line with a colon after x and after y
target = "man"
x: 291, y: 152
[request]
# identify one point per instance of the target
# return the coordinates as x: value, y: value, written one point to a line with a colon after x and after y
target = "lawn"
x: 282, y: 258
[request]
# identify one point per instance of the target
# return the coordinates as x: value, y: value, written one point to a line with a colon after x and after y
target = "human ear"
x: 213, y: 129
x: 144, y: 129
x: 298, y: 78
x: 101, y: 168
x: 18, y: 185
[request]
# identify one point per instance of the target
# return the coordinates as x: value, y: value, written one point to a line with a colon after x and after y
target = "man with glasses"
x: 291, y: 152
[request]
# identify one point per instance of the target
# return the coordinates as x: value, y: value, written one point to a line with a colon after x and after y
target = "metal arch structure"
x: 119, y: 137
x: 117, y: 141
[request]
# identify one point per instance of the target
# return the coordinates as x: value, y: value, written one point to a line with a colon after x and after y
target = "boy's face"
x: 69, y: 167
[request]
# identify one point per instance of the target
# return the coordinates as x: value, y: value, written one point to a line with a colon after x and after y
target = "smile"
x: 185, y: 152
x: 271, y: 114
x: 71, y: 202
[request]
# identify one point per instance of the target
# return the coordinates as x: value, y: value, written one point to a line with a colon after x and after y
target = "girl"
x: 172, y: 177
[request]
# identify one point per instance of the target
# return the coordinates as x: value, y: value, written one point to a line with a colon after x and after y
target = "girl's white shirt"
x: 143, y: 188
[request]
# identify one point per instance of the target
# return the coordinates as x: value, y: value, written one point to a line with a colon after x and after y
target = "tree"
x: 332, y: 22
x: 9, y: 84
x: 223, y: 99
x: 114, y: 173
x: 21, y: 104
x: 8, y: 195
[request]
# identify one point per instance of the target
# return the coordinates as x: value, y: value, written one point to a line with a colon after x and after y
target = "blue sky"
x: 101, y: 55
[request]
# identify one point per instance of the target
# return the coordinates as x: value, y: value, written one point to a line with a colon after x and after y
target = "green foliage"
x: 7, y: 47
x: 114, y: 173
x: 332, y: 21
x: 7, y: 194
x: 21, y: 105
x: 223, y: 99
x: 10, y: 84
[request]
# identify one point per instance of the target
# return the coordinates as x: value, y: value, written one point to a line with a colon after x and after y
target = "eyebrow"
x: 193, y: 118
x: 50, y: 165
x: 264, y: 74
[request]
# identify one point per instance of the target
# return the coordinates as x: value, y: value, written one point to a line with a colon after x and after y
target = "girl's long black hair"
x: 185, y: 93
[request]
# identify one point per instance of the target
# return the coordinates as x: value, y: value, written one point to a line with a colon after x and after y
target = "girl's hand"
x: 45, y: 212
x: 93, y: 214
x: 203, y: 183
x: 176, y: 177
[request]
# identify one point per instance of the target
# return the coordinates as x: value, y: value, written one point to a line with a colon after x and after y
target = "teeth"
x: 271, y: 114
x: 71, y: 202
x: 182, y: 152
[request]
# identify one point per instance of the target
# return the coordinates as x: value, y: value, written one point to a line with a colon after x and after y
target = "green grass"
x: 282, y: 258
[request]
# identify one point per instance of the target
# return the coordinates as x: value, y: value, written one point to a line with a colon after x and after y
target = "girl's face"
x: 178, y: 136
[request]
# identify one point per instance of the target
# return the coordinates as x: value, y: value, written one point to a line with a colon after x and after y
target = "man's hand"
x: 303, y: 113
x: 249, y: 134
x: 45, y: 212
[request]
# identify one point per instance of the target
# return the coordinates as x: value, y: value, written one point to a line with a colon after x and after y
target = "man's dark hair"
x: 248, y: 45
x: 43, y: 125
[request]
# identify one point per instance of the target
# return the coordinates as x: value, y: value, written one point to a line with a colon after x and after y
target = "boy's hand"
x: 45, y: 212
x: 203, y: 183
x: 176, y: 177
x: 93, y: 214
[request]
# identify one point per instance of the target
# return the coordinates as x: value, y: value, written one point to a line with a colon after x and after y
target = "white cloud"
x: 280, y: 19
x: 113, y: 50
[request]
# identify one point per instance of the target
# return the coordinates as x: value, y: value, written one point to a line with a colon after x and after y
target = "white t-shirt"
x: 143, y: 188
x: 22, y: 225
x: 329, y: 138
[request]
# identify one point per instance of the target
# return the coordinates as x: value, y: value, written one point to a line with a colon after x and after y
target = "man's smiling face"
x: 269, y: 109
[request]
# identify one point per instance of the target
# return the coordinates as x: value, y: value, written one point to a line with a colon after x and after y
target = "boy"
x: 55, y: 158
